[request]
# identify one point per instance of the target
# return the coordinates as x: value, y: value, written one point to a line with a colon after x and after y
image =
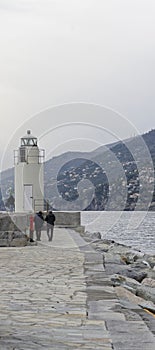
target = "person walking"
x: 50, y: 219
x: 38, y: 220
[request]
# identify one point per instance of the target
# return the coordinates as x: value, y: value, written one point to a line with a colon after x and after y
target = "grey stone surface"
x: 149, y: 282
x: 130, y: 335
x: 43, y: 298
x: 118, y: 280
x: 50, y: 298
x: 146, y: 292
x: 149, y: 319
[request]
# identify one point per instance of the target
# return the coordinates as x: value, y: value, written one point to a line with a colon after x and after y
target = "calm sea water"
x: 136, y: 229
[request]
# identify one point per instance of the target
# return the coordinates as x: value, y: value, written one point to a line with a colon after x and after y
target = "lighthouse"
x: 29, y: 175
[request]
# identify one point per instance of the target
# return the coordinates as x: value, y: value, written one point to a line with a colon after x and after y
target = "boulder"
x: 114, y: 267
x: 130, y: 253
x: 113, y: 258
x: 151, y: 273
x: 146, y: 293
x: 7, y: 224
x: 149, y: 282
x: 126, y: 282
x: 13, y: 239
x: 131, y: 258
x: 151, y: 260
x: 126, y: 295
x: 140, y: 265
x: 136, y: 275
x: 100, y: 246
x: 90, y: 236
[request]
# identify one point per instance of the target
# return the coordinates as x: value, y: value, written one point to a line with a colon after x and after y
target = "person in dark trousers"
x: 38, y: 220
x: 50, y: 218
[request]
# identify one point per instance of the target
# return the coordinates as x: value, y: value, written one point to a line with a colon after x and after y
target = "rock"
x: 89, y: 236
x: 114, y: 267
x: 96, y: 235
x: 132, y: 272
x: 125, y: 295
x: 113, y: 258
x: 146, y: 293
x: 129, y: 305
x: 138, y: 276
x: 131, y: 258
x: 147, y: 305
x: 149, y: 282
x: 125, y: 282
x: 101, y: 246
x: 108, y: 241
x: 18, y: 242
x: 7, y: 224
x: 140, y: 265
x: 151, y: 273
x: 13, y: 239
x: 127, y: 251
x: 151, y: 261
x: 117, y: 280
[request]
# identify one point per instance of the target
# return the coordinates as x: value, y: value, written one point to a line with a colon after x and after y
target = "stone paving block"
x: 95, y: 323
x: 99, y: 310
x: 148, y: 319
x: 131, y: 315
x: 103, y: 305
x: 94, y: 267
x: 130, y: 335
x: 107, y: 316
x: 100, y: 293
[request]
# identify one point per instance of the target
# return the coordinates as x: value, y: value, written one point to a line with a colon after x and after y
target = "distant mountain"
x: 120, y: 176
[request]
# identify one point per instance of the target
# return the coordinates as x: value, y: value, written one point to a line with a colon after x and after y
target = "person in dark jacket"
x: 50, y: 218
x: 38, y: 220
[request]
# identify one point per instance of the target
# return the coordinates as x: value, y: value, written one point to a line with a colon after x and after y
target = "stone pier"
x: 56, y: 295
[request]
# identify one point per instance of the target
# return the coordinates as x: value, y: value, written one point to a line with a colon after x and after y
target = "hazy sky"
x: 62, y: 51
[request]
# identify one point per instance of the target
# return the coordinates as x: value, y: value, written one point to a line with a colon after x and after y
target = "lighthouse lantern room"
x: 29, y: 181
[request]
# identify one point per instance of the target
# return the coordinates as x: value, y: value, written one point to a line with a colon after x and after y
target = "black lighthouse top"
x: 28, y: 140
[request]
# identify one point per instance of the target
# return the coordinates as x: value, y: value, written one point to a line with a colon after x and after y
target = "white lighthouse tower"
x: 29, y: 182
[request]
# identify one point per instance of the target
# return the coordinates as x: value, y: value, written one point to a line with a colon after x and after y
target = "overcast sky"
x: 62, y: 51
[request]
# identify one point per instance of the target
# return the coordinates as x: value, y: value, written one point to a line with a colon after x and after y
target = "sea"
x: 135, y: 229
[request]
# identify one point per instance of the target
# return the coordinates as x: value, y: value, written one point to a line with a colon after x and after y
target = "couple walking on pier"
x: 39, y: 220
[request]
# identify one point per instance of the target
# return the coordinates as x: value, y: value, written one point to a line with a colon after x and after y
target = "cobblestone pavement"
x: 56, y: 295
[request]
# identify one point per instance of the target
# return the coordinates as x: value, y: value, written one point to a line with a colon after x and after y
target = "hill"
x: 120, y: 176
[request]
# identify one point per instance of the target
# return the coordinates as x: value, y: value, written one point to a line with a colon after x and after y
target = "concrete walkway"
x: 57, y: 296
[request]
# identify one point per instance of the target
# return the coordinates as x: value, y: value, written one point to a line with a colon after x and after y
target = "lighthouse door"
x: 28, y: 204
